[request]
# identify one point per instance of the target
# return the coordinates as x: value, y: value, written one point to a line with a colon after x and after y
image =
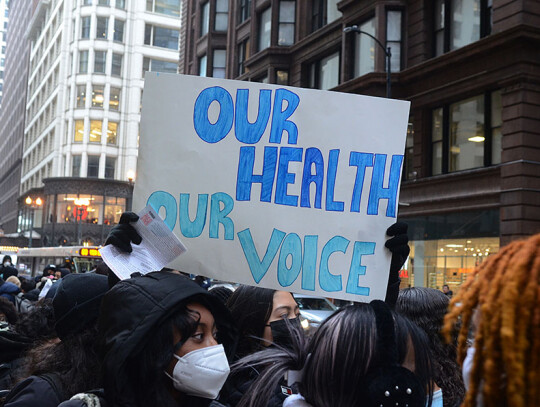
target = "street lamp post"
x: 32, y: 204
x: 80, y: 205
x: 387, y: 53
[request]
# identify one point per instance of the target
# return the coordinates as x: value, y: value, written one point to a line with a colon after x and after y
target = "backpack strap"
x: 54, y: 381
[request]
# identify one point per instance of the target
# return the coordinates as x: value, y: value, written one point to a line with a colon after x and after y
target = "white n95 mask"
x: 201, y: 372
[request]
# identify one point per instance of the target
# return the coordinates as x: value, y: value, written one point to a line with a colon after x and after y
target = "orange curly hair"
x: 506, y: 290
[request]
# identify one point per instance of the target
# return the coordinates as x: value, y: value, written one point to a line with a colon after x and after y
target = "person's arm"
x: 398, y: 246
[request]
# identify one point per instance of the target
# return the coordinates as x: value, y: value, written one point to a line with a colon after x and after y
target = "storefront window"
x: 434, y: 263
x: 445, y: 249
x: 113, y: 209
x: 89, y: 209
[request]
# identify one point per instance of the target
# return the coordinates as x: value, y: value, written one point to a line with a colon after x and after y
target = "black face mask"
x: 282, y: 331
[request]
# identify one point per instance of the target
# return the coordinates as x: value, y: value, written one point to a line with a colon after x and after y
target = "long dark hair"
x: 250, y: 308
x: 344, y: 354
x: 426, y: 307
x: 146, y: 380
x: 74, y: 360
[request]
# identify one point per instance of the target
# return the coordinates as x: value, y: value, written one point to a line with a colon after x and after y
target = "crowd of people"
x: 162, y: 339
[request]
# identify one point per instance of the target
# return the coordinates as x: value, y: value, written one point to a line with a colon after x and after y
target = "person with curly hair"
x: 500, y: 304
x: 426, y: 307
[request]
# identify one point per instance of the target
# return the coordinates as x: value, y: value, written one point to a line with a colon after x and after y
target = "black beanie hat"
x: 77, y: 302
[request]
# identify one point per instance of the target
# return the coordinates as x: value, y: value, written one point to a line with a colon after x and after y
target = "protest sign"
x: 279, y: 187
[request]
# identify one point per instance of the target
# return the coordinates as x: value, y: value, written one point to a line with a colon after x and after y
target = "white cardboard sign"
x: 280, y: 187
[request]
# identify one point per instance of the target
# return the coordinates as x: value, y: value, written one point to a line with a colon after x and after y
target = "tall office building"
x: 12, y: 111
x: 85, y: 85
x: 4, y: 22
x: 471, y: 70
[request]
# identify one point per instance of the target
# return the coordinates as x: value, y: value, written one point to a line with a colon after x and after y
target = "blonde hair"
x: 15, y: 280
x: 505, y: 289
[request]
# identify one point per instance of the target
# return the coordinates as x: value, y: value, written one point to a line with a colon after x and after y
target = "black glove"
x: 124, y: 233
x: 400, y: 251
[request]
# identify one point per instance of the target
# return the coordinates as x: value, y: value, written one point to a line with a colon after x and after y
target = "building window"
x: 243, y: 54
x: 86, y: 2
x: 97, y: 96
x: 323, y: 12
x: 287, y: 19
x: 364, y: 61
x: 83, y: 61
x: 116, y: 68
x: 324, y: 74
x: 458, y: 23
x: 409, y: 151
x: 203, y: 62
x: 218, y: 70
x: 95, y: 131
x: 169, y: 7
x: 101, y: 28
x: 110, y: 164
x: 496, y: 124
x: 265, y: 26
x: 282, y: 77
x: 121, y: 4
x: 161, y: 37
x: 112, y: 132
x: 157, y: 65
x: 103, y: 2
x: 222, y: 15
x: 100, y: 59
x: 93, y: 166
x: 114, y: 98
x: 205, y: 18
x: 244, y: 10
x: 81, y: 96
x: 78, y: 133
x: 75, y: 165
x: 466, y: 134
x: 85, y: 27
x: 393, y: 38
x: 118, y: 30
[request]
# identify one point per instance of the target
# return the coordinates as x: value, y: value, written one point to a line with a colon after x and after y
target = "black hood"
x: 135, y: 307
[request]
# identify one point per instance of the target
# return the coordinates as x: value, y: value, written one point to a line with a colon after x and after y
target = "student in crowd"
x: 354, y: 358
x: 70, y: 365
x: 264, y: 317
x: 426, y: 307
x: 500, y: 304
x: 7, y: 269
x: 166, y: 342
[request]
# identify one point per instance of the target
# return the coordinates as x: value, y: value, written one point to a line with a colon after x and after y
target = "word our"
x: 303, y: 256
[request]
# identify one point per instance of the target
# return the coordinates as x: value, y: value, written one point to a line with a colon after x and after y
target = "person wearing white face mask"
x: 6, y: 269
x: 166, y: 342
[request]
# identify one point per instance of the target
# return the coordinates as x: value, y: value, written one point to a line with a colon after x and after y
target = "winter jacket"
x: 8, y: 271
x: 9, y: 291
x: 22, y: 304
x: 35, y: 391
x: 238, y: 384
x: 132, y: 310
